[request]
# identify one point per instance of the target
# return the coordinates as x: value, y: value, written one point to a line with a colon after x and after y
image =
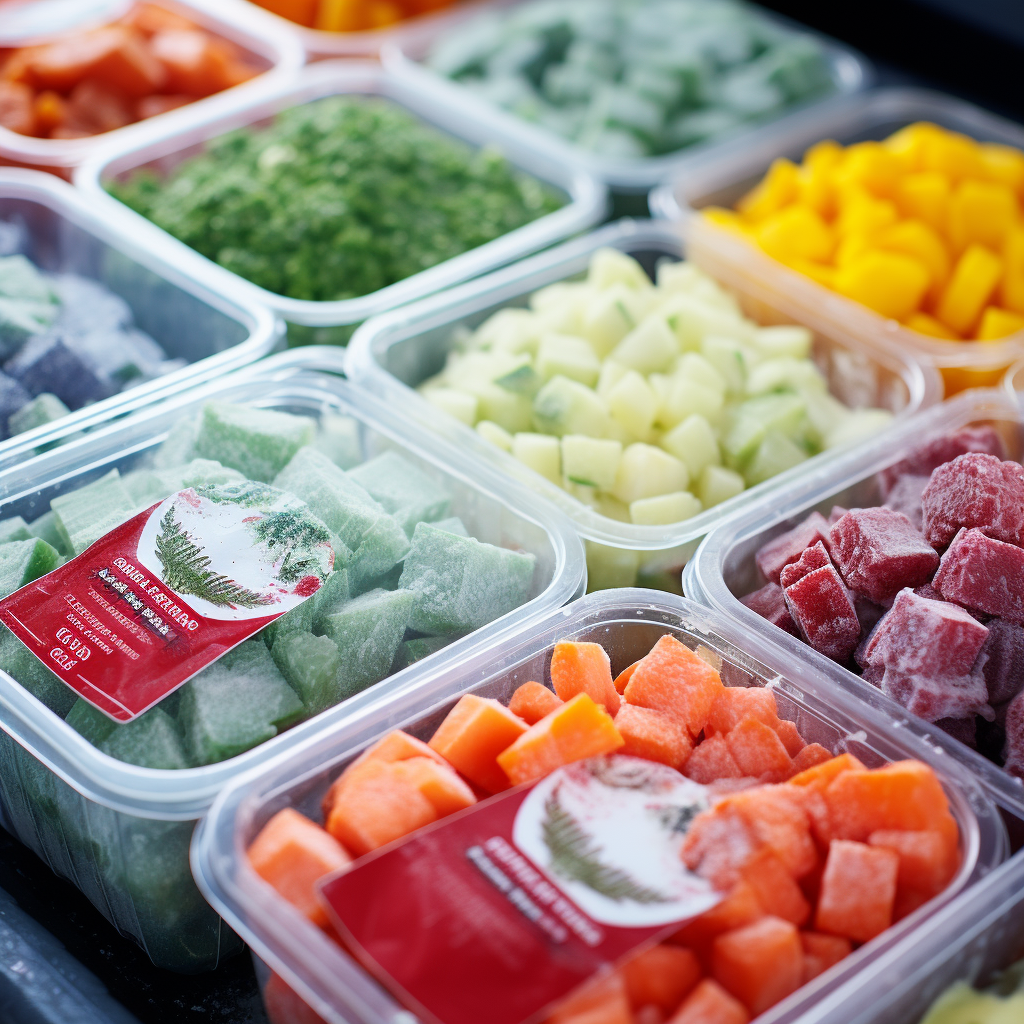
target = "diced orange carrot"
x: 624, y: 677
x: 600, y: 1000
x: 925, y: 863
x: 822, y: 952
x: 439, y: 784
x: 907, y: 901
x: 472, y: 736
x: 857, y: 890
x: 776, y: 889
x: 193, y: 60
x: 648, y: 1015
x: 50, y: 109
x: 709, y: 1003
x: 661, y: 976
x: 16, y: 108
x: 677, y: 682
x: 302, y: 12
x: 98, y: 106
x: 790, y: 736
x: 719, y: 845
x: 151, y: 18
x: 810, y: 884
x: 284, y: 1006
x: 740, y: 907
x: 652, y: 735
x: 377, y: 806
x: 735, y: 703
x: 809, y: 757
x: 820, y: 775
x: 758, y: 751
x: 578, y: 729
x: 760, y: 963
x: 532, y: 701
x: 150, y: 106
x: 293, y: 853
x: 584, y: 668
x: 711, y: 760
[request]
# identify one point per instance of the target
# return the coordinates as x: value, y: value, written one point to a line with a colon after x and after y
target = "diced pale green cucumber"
x: 692, y: 366
x: 682, y: 398
x: 509, y: 330
x: 411, y: 651
x: 459, y: 404
x: 783, y: 413
x: 633, y: 405
x: 645, y: 471
x: 90, y: 722
x: 91, y: 512
x: 718, y: 484
x: 610, y: 266
x: 785, y: 374
x: 453, y: 525
x: 608, y: 320
x: 691, y: 280
x: 45, y: 527
x: 541, y: 452
x: 562, y: 354
x: 608, y: 567
x: 153, y: 740
x: 506, y: 408
x: 523, y: 380
x: 825, y: 414
x: 586, y: 494
x: 664, y: 509
x: 651, y: 347
x: 611, y: 507
x: 403, y: 489
x: 565, y: 406
x: 860, y: 423
x: 786, y: 340
x: 693, y: 319
x: 611, y: 373
x: 496, y: 434
x: 590, y: 461
x: 775, y: 454
x: 179, y: 446
x: 694, y: 443
x: 730, y: 358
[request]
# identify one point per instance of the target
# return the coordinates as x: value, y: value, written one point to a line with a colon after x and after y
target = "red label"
x: 498, y: 912
x: 110, y: 625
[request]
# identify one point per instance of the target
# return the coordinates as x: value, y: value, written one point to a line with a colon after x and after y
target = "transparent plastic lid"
x: 723, y: 569
x: 627, y: 623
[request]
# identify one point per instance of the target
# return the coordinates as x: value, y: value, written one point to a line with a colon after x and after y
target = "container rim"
x: 676, y: 201
x: 187, y: 793
x: 704, y: 578
x: 263, y: 329
x: 588, y: 198
x: 232, y: 19
x: 338, y: 989
x: 372, y: 340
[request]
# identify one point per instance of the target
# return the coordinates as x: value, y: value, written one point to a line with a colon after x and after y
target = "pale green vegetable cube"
x: 610, y: 266
x: 562, y: 354
x: 693, y: 319
x: 91, y: 512
x: 89, y: 721
x: 453, y: 525
x: 608, y: 319
x: 45, y: 527
x: 860, y: 423
x: 411, y: 651
x: 611, y: 373
x: 731, y: 359
x: 44, y: 408
x: 338, y: 438
x: 782, y: 413
x: 402, y: 489
x: 147, y: 486
x: 590, y: 461
x: 785, y: 340
x: 565, y: 406
x: 44, y: 684
x: 718, y: 484
x: 179, y: 446
x: 14, y: 528
x: 312, y: 666
x: 509, y: 330
x: 682, y: 397
x: 775, y: 454
x: 633, y: 405
x: 22, y: 561
x: 153, y: 740
x: 694, y: 367
x: 694, y: 443
x: 497, y: 435
x: 508, y: 409
x: 541, y: 452
x: 456, y: 403
x: 825, y: 414
x: 649, y: 348
x: 664, y: 508
x: 786, y: 374
x: 645, y: 471
x: 609, y: 567
x: 523, y: 380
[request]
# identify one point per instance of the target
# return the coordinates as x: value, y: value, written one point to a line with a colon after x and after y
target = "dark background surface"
x: 971, y: 48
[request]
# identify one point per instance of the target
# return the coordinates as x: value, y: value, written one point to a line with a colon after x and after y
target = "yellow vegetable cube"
x: 851, y: 248
x: 824, y: 156
x: 974, y: 280
x: 727, y: 220
x: 815, y: 271
x: 1011, y: 291
x: 1003, y: 164
x: 915, y: 238
x: 340, y: 16
x: 911, y: 143
x: 925, y: 324
x: 873, y: 166
x: 862, y: 214
x: 982, y: 212
x: 796, y: 232
x: 779, y: 187
x: 818, y: 190
x: 925, y: 197
x: 954, y: 155
x: 888, y: 282
x: 998, y: 323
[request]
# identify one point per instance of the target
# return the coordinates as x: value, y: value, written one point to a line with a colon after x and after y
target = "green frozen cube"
x: 22, y: 561
x: 367, y: 632
x: 21, y: 279
x: 312, y: 665
x: 256, y: 442
x: 411, y: 651
x: 179, y: 446
x: 453, y: 525
x: 147, y: 486
x: 45, y: 685
x: 88, y: 720
x: 374, y: 537
x: 153, y: 740
x: 14, y: 528
x: 403, y: 489
x: 44, y: 408
x: 338, y: 438
x: 91, y: 512
x: 461, y: 583
x: 298, y: 620
x: 45, y: 527
x: 334, y: 593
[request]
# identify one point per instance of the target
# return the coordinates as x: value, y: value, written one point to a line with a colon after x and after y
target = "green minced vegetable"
x: 337, y: 199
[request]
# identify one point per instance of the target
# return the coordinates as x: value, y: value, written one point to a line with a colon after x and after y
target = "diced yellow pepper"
x: 851, y: 248
x: 1003, y: 164
x: 974, y: 280
x: 817, y: 190
x: 925, y: 324
x: 815, y: 271
x: 982, y: 212
x: 341, y: 16
x: 914, y: 238
x: 998, y: 323
x: 954, y: 155
x: 796, y: 232
x: 865, y: 215
x: 925, y: 197
x: 381, y: 13
x: 873, y: 166
x: 888, y: 282
x: 779, y: 187
x: 824, y: 156
x: 728, y: 220
x: 910, y: 144
x: 1011, y: 290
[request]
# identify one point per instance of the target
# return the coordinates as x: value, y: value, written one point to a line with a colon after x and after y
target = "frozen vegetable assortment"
x: 924, y: 227
x: 634, y: 79
x: 813, y: 854
x: 924, y: 595
x: 85, y: 83
x: 407, y: 580
x: 646, y: 401
x: 337, y: 198
x: 1002, y: 1002
x: 351, y: 15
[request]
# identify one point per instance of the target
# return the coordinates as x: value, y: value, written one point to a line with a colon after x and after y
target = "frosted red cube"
x: 1003, y: 665
x: 770, y: 603
x: 814, y: 557
x: 836, y: 514
x: 905, y: 497
x: 933, y: 453
x: 975, y: 490
x: 878, y: 552
x: 937, y: 698
x: 930, y: 592
x: 984, y: 573
x: 789, y: 546
x: 1013, y: 751
x: 822, y: 609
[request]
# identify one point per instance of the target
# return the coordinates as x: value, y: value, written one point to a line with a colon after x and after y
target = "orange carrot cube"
x: 653, y: 736
x: 735, y: 703
x: 758, y: 751
x: 925, y: 863
x: 857, y: 890
x: 820, y: 775
x: 600, y: 1000
x: 759, y: 964
x: 661, y: 976
x: 822, y: 952
x: 711, y: 760
x: 193, y: 60
x: 532, y: 701
x: 790, y: 736
x: 809, y: 757
x: 624, y: 677
x: 709, y: 1003
x: 17, y: 113
x: 584, y: 668
x: 740, y: 907
x: 776, y: 889
x: 446, y: 792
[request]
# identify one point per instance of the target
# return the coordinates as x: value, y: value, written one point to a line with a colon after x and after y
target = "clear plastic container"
x: 850, y: 73
x: 1013, y: 382
x: 393, y: 354
x: 121, y: 832
x: 586, y: 198
x: 627, y: 623
x: 724, y: 569
x: 279, y: 53
x: 721, y: 180
x: 215, y: 330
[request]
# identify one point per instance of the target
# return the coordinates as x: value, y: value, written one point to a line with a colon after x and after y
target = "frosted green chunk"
x: 403, y: 489
x: 411, y: 651
x: 21, y: 664
x: 179, y: 445
x: 460, y: 583
x: 334, y: 593
x: 91, y: 512
x: 147, y: 486
x: 298, y: 620
x: 22, y: 561
x: 90, y: 722
x: 367, y: 632
x: 153, y: 740
x: 44, y: 408
x: 259, y: 443
x: 45, y: 527
x: 21, y: 279
x: 14, y: 528
x: 312, y: 665
x: 453, y: 525
x: 338, y: 438
x: 374, y: 537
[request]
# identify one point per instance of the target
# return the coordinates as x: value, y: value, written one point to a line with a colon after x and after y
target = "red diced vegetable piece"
x: 808, y: 757
x: 1004, y: 661
x: 824, y: 613
x: 600, y: 1000
x: 1013, y: 751
x: 963, y: 729
x: 709, y: 1003
x: 933, y: 453
x: 789, y: 546
x: 984, y: 573
x: 791, y: 738
x: 739, y: 907
x: 770, y: 603
x: 776, y: 889
x: 925, y: 862
x: 858, y: 890
x: 623, y: 678
x: 735, y: 703
x: 905, y: 497
x: 814, y: 557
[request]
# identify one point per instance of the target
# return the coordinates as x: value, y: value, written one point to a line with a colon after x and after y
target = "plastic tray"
x: 121, y: 832
x: 850, y: 72
x: 393, y: 354
x: 627, y: 623
x: 1013, y: 382
x: 724, y: 569
x: 280, y: 53
x: 216, y: 331
x: 586, y: 206
x: 722, y: 180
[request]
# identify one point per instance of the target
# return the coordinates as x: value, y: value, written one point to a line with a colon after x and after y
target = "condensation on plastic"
x: 721, y: 180
x: 724, y: 570
x: 627, y: 623
x: 133, y: 824
x: 215, y: 331
x: 587, y: 199
x: 393, y: 354
x: 850, y: 72
x: 255, y: 31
